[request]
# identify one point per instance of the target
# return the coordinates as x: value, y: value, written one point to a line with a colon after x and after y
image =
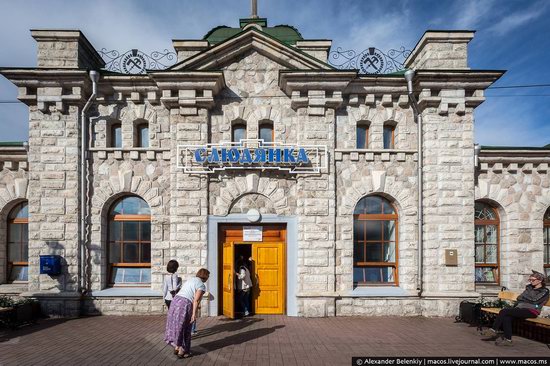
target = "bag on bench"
x: 469, y: 312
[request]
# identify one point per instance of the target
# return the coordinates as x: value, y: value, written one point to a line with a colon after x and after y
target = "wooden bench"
x: 541, y: 322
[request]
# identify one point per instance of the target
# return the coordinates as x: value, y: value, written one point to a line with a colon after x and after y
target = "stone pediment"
x: 224, y: 53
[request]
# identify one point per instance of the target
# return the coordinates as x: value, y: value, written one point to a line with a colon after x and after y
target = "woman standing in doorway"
x: 183, y: 312
x: 244, y: 286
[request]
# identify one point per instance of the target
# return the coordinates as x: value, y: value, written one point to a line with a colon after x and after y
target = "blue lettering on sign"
x: 236, y: 155
x: 214, y: 156
x: 199, y: 158
x: 287, y: 156
x: 259, y: 156
x: 246, y: 157
x: 274, y: 155
x: 302, y: 156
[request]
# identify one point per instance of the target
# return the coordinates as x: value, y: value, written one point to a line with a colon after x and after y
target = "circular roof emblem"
x: 253, y: 215
x: 134, y: 63
x: 372, y: 62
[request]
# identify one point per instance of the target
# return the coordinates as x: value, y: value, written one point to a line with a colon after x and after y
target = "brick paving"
x: 259, y: 340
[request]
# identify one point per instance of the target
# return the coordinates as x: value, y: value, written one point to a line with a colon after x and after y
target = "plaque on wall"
x: 252, y: 233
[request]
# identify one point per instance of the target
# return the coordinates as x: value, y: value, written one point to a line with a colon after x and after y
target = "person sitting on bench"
x: 528, y: 305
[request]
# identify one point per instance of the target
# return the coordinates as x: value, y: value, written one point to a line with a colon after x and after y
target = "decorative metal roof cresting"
x: 370, y: 61
x: 137, y: 62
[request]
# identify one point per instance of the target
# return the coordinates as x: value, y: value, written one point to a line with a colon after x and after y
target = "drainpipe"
x: 94, y: 77
x: 477, y: 150
x: 409, y: 76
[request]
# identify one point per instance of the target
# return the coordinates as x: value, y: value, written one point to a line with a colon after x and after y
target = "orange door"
x: 269, y: 270
x: 228, y: 281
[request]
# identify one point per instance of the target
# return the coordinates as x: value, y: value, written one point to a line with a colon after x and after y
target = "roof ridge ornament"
x: 370, y: 61
x: 135, y: 62
x: 254, y: 9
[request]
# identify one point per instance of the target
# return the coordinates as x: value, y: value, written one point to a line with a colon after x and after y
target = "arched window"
x: 374, y: 242
x: 129, y: 244
x: 547, y: 242
x: 389, y: 136
x: 116, y: 135
x: 239, y: 132
x: 486, y: 244
x: 142, y: 135
x: 266, y: 131
x: 362, y: 135
x: 18, y: 243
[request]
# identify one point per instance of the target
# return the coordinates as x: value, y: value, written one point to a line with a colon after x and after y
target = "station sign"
x: 251, y: 154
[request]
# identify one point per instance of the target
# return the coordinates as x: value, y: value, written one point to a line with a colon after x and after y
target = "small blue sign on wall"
x: 50, y: 265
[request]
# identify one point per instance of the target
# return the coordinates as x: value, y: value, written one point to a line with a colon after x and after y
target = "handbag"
x: 469, y: 312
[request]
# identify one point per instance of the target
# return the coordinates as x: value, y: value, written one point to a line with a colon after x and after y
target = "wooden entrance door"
x: 228, y: 280
x: 269, y: 264
x: 268, y: 270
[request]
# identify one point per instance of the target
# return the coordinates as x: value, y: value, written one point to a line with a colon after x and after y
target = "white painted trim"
x: 126, y: 292
x: 291, y: 256
x: 318, y: 157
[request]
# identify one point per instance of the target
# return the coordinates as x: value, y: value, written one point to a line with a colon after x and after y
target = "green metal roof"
x: 11, y: 143
x: 284, y: 33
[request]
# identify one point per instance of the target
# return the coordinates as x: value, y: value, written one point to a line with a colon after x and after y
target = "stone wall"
x: 54, y: 196
x: 13, y: 190
x: 441, y: 50
x: 448, y: 201
x: 393, y: 176
x: 192, y: 105
x: 380, y: 111
x: 519, y: 187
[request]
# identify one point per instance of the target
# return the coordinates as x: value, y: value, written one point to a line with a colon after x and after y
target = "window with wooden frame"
x: 116, y: 135
x: 375, y: 239
x: 547, y: 242
x: 142, y: 135
x: 238, y: 132
x: 362, y: 135
x: 266, y: 131
x: 487, y: 243
x: 129, y: 242
x: 389, y: 136
x: 18, y: 244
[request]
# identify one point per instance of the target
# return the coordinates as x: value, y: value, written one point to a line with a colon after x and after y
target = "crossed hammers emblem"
x: 134, y: 63
x: 371, y: 62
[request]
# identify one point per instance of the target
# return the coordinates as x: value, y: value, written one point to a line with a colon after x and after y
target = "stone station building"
x: 336, y: 235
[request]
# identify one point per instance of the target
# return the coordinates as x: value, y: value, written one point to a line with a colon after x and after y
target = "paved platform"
x: 258, y: 340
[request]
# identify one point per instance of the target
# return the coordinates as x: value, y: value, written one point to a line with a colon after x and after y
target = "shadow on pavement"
x: 235, y: 339
x: 228, y: 325
x: 7, y: 334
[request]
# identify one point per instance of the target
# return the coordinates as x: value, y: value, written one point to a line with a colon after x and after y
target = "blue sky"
x: 511, y: 35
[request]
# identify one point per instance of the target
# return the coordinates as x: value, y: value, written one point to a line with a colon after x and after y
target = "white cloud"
x: 515, y: 20
x: 469, y: 14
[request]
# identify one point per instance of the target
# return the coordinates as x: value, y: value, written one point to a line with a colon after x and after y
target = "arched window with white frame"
x: 18, y: 244
x: 375, y: 242
x: 487, y: 244
x: 129, y: 242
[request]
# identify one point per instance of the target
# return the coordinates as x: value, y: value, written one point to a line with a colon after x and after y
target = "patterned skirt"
x: 178, y: 323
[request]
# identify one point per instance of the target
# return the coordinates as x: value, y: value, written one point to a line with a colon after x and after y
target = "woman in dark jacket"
x: 529, y: 305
